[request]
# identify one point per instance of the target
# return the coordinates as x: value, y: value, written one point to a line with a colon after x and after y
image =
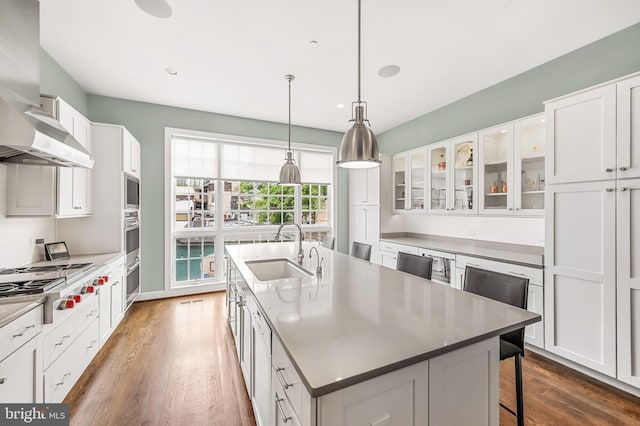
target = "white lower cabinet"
x: 261, y: 386
x: 111, y: 298
x: 389, y: 253
x: 364, y: 224
x: 533, y: 334
x: 246, y: 354
x: 20, y: 375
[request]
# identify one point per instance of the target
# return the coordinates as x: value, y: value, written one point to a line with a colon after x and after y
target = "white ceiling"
x: 231, y: 56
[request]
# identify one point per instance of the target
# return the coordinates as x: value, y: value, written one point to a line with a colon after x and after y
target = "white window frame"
x: 171, y: 286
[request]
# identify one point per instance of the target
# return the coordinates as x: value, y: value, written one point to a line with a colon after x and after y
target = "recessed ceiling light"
x: 157, y: 8
x: 388, y: 71
x: 543, y: 120
x: 503, y: 131
x: 340, y: 106
x: 171, y: 71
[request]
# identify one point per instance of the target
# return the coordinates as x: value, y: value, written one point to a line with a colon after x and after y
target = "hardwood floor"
x: 173, y: 362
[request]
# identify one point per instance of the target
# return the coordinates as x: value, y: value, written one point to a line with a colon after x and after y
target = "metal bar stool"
x: 361, y: 251
x: 415, y: 265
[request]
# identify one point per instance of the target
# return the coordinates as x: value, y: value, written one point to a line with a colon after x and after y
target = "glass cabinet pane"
x: 531, y: 140
x: 496, y: 147
x: 399, y: 179
x: 463, y: 179
x: 418, y: 162
x: 438, y: 172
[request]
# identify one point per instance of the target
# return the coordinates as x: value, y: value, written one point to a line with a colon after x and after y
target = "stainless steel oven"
x: 133, y: 281
x: 132, y: 235
x: 131, y: 192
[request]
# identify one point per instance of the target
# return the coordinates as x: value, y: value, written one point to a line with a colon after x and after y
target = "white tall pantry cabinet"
x: 592, y: 295
x: 364, y: 208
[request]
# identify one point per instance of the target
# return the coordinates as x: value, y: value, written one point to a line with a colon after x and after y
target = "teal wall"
x: 147, y: 123
x: 611, y: 57
x: 55, y: 81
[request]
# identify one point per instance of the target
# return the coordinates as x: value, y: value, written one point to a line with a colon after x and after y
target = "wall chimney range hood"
x: 29, y: 134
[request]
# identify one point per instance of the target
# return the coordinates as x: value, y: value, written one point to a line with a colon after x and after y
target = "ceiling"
x: 232, y: 56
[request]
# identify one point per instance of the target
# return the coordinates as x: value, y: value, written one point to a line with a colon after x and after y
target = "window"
x: 221, y: 191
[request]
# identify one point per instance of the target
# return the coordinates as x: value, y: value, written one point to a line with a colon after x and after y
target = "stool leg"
x: 519, y: 394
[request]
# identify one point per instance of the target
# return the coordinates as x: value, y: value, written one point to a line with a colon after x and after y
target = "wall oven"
x: 131, y: 192
x: 132, y: 248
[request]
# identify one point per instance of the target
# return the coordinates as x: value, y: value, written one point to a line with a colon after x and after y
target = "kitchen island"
x: 364, y: 344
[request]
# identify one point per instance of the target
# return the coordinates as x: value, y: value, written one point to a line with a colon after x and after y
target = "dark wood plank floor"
x: 173, y: 362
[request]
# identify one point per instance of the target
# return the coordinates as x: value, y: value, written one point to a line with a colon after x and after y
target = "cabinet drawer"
x: 534, y: 274
x: 282, y: 409
x: 64, y: 334
x: 20, y: 331
x: 60, y: 377
x: 395, y: 248
x: 287, y: 377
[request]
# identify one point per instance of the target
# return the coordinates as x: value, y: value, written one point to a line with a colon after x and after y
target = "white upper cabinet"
x: 529, y: 156
x: 496, y: 170
x: 452, y: 175
x: 130, y: 154
x: 628, y: 134
x: 409, y: 181
x: 364, y: 186
x: 581, y: 135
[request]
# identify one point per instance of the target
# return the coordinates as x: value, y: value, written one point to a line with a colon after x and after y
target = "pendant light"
x: 359, y: 148
x: 289, y: 173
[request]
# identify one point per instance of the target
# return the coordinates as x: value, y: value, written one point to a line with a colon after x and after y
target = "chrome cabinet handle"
x: 517, y: 208
x: 608, y: 170
x: 25, y: 330
x: 279, y: 401
x: 609, y: 189
x: 3, y: 380
x: 622, y: 169
x: 281, y: 378
x: 93, y: 342
x: 77, y: 208
x: 115, y: 283
x: 90, y: 314
x: 518, y: 274
x: 62, y: 340
x: 60, y: 383
x: 623, y: 189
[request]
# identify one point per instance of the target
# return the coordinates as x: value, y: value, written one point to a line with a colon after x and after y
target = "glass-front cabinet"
x: 399, y: 183
x: 452, y: 176
x: 496, y: 170
x: 409, y: 181
x: 529, y: 152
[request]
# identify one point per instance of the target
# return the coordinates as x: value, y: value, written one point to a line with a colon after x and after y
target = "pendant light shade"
x: 289, y: 173
x: 359, y: 148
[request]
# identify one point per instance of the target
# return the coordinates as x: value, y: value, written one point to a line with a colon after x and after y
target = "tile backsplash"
x: 18, y: 233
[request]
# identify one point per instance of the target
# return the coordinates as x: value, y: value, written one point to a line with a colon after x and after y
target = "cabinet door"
x: 628, y: 265
x: 389, y: 260
x: 417, y: 179
x: 580, y: 281
x: 580, y: 137
x: 534, y: 333
x: 30, y: 190
x: 130, y: 154
x: 117, y: 300
x: 496, y: 170
x: 74, y: 183
x: 104, y: 306
x: 364, y: 186
x: 400, y: 183
x: 261, y: 389
x: 365, y: 224
x: 463, y: 174
x: 245, y: 360
x: 528, y: 154
x: 437, y: 178
x: 20, y: 375
x: 628, y: 134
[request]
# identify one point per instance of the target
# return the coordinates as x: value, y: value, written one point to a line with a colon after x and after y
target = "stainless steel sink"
x: 276, y: 269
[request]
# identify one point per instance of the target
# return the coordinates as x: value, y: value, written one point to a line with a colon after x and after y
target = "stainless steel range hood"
x: 28, y: 134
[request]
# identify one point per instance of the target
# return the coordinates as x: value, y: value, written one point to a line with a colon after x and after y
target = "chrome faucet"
x: 319, y: 261
x: 300, y: 251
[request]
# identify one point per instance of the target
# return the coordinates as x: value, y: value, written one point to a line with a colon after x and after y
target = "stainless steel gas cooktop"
x: 37, y: 279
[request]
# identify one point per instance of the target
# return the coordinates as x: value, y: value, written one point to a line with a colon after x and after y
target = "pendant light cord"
x: 289, y: 114
x: 359, y: 31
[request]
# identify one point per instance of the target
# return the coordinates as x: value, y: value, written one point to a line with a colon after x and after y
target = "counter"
x: 360, y: 320
x: 518, y: 254
x: 14, y: 307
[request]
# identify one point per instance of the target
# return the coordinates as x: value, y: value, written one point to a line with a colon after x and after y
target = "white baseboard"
x: 587, y: 371
x: 186, y: 291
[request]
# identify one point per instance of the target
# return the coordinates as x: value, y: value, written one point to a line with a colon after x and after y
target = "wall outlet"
x: 36, y: 241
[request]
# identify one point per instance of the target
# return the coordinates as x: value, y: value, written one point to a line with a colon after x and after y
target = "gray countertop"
x: 518, y: 254
x: 360, y: 320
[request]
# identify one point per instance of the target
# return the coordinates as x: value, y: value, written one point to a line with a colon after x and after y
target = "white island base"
x: 458, y: 388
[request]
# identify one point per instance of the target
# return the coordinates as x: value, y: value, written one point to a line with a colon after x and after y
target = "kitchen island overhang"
x: 358, y: 321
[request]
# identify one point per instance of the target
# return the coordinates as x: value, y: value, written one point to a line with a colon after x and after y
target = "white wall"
x: 515, y: 230
x: 17, y: 233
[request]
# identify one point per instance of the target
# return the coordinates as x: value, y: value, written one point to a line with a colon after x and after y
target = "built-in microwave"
x: 131, y: 192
